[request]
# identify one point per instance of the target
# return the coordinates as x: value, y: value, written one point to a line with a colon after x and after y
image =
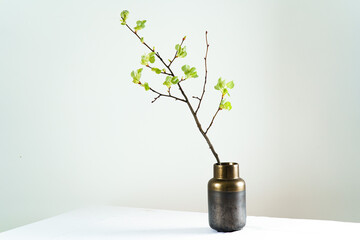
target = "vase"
x: 226, y: 198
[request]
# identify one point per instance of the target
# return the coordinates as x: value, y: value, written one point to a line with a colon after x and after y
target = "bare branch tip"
x: 156, y: 98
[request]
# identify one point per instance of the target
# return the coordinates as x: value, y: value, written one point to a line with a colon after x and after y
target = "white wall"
x: 74, y: 130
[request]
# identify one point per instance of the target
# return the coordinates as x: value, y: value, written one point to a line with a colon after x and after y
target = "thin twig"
x: 205, y: 58
x: 212, y: 121
x: 196, y: 98
x: 222, y: 97
x: 165, y: 73
x: 156, y: 98
x: 165, y: 95
x: 158, y: 55
x: 139, y: 38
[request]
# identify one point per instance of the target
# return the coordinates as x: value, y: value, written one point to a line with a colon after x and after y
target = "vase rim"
x: 226, y: 170
x: 226, y: 163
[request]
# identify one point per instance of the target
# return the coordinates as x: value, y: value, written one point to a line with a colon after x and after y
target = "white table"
x: 118, y: 223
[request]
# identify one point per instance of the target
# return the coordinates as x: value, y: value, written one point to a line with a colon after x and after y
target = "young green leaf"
x: 136, y: 75
x: 174, y: 80
x: 189, y: 72
x: 225, y: 91
x: 230, y: 85
x: 181, y: 51
x: 221, y: 83
x: 146, y: 86
x: 183, y: 54
x: 124, y: 15
x: 156, y: 70
x: 168, y: 81
x: 185, y: 68
x: 193, y: 72
x: 140, y: 25
x: 152, y: 57
x: 144, y: 60
x: 177, y: 47
x: 135, y: 80
x: 227, y: 106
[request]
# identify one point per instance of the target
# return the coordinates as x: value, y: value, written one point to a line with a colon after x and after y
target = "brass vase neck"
x: 226, y: 170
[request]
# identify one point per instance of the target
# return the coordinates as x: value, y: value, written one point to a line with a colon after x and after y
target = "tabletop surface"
x: 110, y: 222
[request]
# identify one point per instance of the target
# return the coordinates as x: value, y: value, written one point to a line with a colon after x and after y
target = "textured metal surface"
x: 226, y: 178
x: 233, y: 185
x: 227, y: 210
x: 226, y: 170
x: 226, y: 198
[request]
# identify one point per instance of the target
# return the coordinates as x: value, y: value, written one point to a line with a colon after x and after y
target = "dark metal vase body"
x: 226, y: 198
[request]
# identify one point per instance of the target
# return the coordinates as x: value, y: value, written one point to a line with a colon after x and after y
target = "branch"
x: 165, y: 95
x: 160, y: 58
x: 156, y: 98
x: 152, y: 50
x: 186, y: 100
x: 139, y: 37
x: 205, y: 58
x: 222, y: 97
x: 199, y: 125
x: 158, y: 55
x: 176, y: 52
